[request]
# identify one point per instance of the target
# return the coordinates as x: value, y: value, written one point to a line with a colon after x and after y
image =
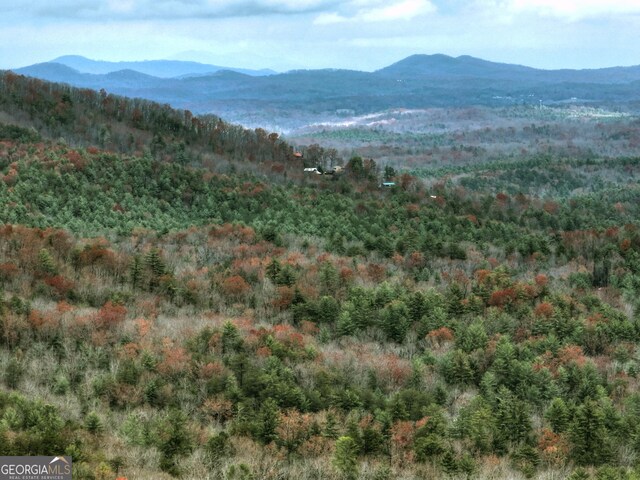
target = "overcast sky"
x: 357, y: 34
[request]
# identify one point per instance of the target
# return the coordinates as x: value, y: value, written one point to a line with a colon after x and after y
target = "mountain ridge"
x: 288, y: 100
x: 155, y: 68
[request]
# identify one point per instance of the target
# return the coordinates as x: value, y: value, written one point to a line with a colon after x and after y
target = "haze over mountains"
x: 292, y: 99
x: 156, y: 68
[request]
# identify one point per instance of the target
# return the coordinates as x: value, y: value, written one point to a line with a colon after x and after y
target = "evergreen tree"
x: 273, y: 269
x: 346, y: 326
x: 345, y: 458
x: 154, y: 261
x: 13, y: 372
x: 218, y: 447
x: 268, y: 421
x: 135, y: 271
x: 590, y: 442
x: 231, y: 340
x: 93, y: 424
x: 512, y: 416
x: 286, y: 276
x: 394, y: 320
x: 330, y: 429
x: 46, y: 263
x: 173, y: 440
x: 558, y: 415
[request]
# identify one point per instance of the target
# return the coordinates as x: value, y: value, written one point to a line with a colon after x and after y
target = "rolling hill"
x: 293, y: 99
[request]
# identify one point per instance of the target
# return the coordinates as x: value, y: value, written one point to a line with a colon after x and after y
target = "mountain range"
x: 291, y: 99
x: 155, y: 68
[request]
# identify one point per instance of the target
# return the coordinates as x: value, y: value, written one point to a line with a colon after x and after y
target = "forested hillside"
x: 88, y: 118
x: 178, y: 300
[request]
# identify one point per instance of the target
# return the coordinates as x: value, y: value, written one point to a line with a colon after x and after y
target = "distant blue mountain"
x: 56, y: 72
x: 53, y: 72
x: 155, y: 68
x: 443, y: 66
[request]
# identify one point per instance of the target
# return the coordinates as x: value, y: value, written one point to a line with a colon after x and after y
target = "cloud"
x: 399, y: 11
x: 374, y: 11
x: 572, y: 10
x: 329, y: 18
x: 161, y: 9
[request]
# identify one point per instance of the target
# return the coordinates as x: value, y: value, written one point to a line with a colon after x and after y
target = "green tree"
x: 472, y: 338
x: 173, y: 440
x: 328, y: 310
x: 154, y: 261
x: 394, y: 320
x: 558, y: 415
x: 355, y: 167
x: 93, y: 424
x: 218, y: 447
x: 13, y: 372
x: 46, y: 263
x: 345, y: 458
x: 456, y: 368
x: 268, y: 421
x: 389, y: 172
x: 591, y: 444
x: 512, y: 417
x: 135, y: 271
x: 330, y: 428
x: 231, y: 340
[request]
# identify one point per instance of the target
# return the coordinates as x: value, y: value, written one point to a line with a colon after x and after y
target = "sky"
x: 355, y: 34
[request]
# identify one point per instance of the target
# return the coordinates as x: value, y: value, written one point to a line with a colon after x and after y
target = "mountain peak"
x: 438, y: 65
x: 64, y: 58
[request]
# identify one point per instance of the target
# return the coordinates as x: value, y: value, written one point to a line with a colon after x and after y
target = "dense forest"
x: 178, y: 300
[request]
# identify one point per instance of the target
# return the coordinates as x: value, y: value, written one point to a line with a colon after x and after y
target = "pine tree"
x: 512, y: 416
x: 330, y: 429
x: 230, y: 338
x: 456, y: 368
x: 397, y: 408
x: 286, y: 276
x: 152, y: 392
x: 174, y: 440
x: 428, y: 446
x: 268, y: 421
x: 449, y: 462
x: 154, y: 261
x: 93, y: 424
x: 588, y: 435
x: 346, y: 326
x: 328, y: 310
x: 558, y: 415
x: 273, y: 269
x: 354, y: 432
x: 13, y: 373
x: 345, y: 458
x: 217, y: 447
x: 395, y: 321
x: 46, y: 262
x: 135, y: 271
